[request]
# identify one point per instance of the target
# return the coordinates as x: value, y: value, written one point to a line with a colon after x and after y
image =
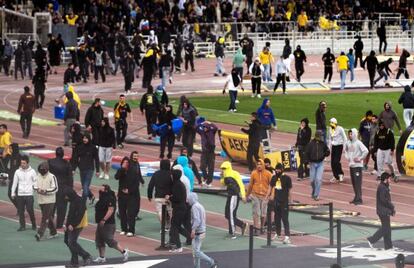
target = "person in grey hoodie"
x: 388, y: 117
x: 355, y: 153
x: 407, y: 101
x: 7, y: 56
x: 198, y: 231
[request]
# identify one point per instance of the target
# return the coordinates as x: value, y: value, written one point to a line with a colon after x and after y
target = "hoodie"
x: 183, y: 161
x: 388, y: 117
x: 72, y: 108
x: 232, y: 180
x: 238, y: 59
x: 265, y: 114
x: 198, y: 215
x: 85, y: 157
x: 183, y: 179
x: 407, y: 98
x: 208, y: 136
x: 23, y: 182
x: 48, y: 183
x: 304, y: 135
x: 106, y: 136
x: 355, y: 150
x: 77, y: 208
x: 161, y: 181
x: 178, y: 191
x: 94, y: 116
x: 259, y: 182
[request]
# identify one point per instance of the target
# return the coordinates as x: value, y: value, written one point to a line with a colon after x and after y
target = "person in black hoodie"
x: 128, y: 69
x: 372, y: 64
x: 165, y: 117
x: 75, y: 222
x: 385, y: 209
x: 161, y: 182
x: 384, y: 145
x: 93, y: 119
x: 407, y: 101
x: 72, y: 115
x: 320, y: 118
x: 150, y: 106
x: 358, y: 47
x: 76, y: 136
x: 39, y: 83
x: 178, y: 201
x: 302, y: 139
x: 402, y: 65
x: 70, y: 75
x: 300, y: 57
x: 18, y: 61
x: 328, y: 59
x: 382, y: 35
x: 13, y: 165
x: 384, y: 71
x: 62, y: 169
x: 106, y: 144
x: 254, y: 131
x: 86, y: 158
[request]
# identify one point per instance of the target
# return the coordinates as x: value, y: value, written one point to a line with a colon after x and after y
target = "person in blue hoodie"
x: 266, y: 117
x: 188, y: 172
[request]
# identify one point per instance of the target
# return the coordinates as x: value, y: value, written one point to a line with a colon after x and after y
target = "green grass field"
x: 347, y: 108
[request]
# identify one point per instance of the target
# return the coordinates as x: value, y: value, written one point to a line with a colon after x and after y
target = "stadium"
x: 183, y: 133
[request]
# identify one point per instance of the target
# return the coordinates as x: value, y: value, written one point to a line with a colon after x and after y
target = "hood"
x: 152, y: 33
x: 306, y: 121
x: 407, y: 89
x: 389, y: 103
x: 183, y: 161
x: 69, y: 95
x: 106, y: 120
x: 192, y: 198
x: 176, y: 175
x: 264, y: 103
x: 165, y: 164
x: 227, y: 169
x: 354, y: 135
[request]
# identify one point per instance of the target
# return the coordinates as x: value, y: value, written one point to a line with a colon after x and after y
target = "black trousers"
x: 60, y: 208
x: 300, y: 70
x: 371, y: 74
x: 6, y: 64
x: 25, y: 203
x: 121, y: 127
x: 327, y: 73
x: 374, y: 158
x: 151, y: 118
x: 71, y: 240
x: 336, y: 160
x: 207, y: 161
x: 39, y: 96
x: 381, y: 43
x: 249, y: 61
x: 187, y: 224
x: 230, y: 212
x: 358, y: 55
x: 9, y: 190
x: 188, y: 139
x: 303, y: 169
x: 26, y: 123
x: 383, y: 232
x: 189, y: 58
x: 99, y: 70
x: 128, y: 210
x: 128, y: 78
x: 177, y: 225
x: 147, y: 76
x: 169, y: 141
x: 356, y: 179
x: 252, y: 152
x: 83, y: 71
x: 280, y: 78
x: 402, y: 71
x: 256, y: 84
x: 18, y: 67
x: 282, y: 215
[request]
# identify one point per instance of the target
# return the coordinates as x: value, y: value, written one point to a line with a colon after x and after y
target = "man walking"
x: 355, y: 153
x: 207, y: 132
x: 336, y: 142
x: 407, y: 101
x: 255, y: 136
x: 358, y: 47
x: 121, y: 111
x: 302, y: 140
x: 300, y: 58
x: 72, y: 114
x: 385, y: 209
x: 93, y: 119
x: 389, y: 117
x: 46, y: 187
x: 371, y: 62
x: 150, y: 106
x: 342, y: 61
x: 384, y: 145
x: 26, y: 108
x: 281, y: 71
x: 320, y: 118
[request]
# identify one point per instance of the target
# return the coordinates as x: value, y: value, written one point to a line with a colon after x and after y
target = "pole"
x: 331, y: 228
x: 251, y: 246
x: 338, y: 243
x: 163, y: 219
x: 269, y: 228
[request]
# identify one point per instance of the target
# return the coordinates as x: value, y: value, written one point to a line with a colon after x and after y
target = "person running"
x: 233, y: 83
x: 300, y: 58
x: 22, y: 191
x: 316, y: 151
x: 256, y: 70
x: 46, y: 187
x: 26, y: 108
x: 358, y: 47
x: 279, y: 194
x: 384, y: 145
x: 365, y: 130
x: 402, y: 65
x: 106, y: 144
x: 150, y: 106
x: 207, y: 132
x: 371, y: 62
x: 384, y: 71
x: 257, y: 193
x: 93, y: 120
x: 281, y: 71
x: 121, y: 111
x: 385, y: 209
x: 302, y: 140
x: 105, y: 224
x: 255, y: 137
x: 355, y: 153
x: 198, y: 232
x: 166, y: 116
x: 336, y: 141
x: 407, y: 101
x: 388, y: 117
x: 235, y: 191
x: 328, y: 59
x: 343, y: 63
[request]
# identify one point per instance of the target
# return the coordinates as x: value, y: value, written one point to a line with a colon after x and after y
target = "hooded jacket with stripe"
x: 47, y: 183
x: 232, y: 180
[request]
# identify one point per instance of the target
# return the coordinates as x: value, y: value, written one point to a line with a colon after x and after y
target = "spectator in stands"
x: 219, y: 53
x: 71, y: 18
x: 302, y: 21
x: 402, y: 65
x: 266, y: 59
x: 26, y: 108
x: 384, y: 71
x: 121, y: 111
x: 371, y: 62
x: 351, y: 64
x: 106, y: 143
x: 328, y: 59
x: 302, y: 140
x: 256, y: 70
x: 382, y: 35
x: 343, y: 63
x: 93, y: 120
x: 300, y: 58
x: 358, y: 47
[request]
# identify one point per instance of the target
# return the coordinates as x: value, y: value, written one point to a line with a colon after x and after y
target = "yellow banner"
x: 408, y: 155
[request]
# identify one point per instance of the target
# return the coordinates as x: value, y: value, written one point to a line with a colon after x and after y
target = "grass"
x: 347, y: 108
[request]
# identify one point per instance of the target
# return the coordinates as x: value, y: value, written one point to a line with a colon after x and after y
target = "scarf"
x: 117, y: 112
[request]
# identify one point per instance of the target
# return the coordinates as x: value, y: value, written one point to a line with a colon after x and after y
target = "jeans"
x: 86, y: 179
x: 408, y: 114
x: 316, y: 172
x: 382, y: 74
x: 219, y: 66
x: 71, y: 240
x: 266, y: 73
x: 198, y: 254
x: 232, y: 94
x: 352, y: 72
x: 343, y: 78
x: 68, y: 124
x: 165, y: 76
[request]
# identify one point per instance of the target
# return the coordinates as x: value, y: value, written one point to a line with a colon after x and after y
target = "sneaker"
x: 253, y: 95
x: 316, y: 198
x: 209, y: 185
x: 275, y: 237
x: 214, y: 265
x: 53, y: 236
x: 101, y: 176
x: 259, y: 96
x: 125, y: 255
x: 122, y: 233
x: 244, y: 229
x: 106, y: 176
x: 216, y: 74
x: 37, y: 236
x: 333, y: 180
x: 237, y: 101
x: 233, y: 236
x: 234, y: 110
x: 87, y: 261
x: 120, y: 146
x: 286, y: 240
x: 21, y: 229
x: 176, y: 250
x: 374, y: 172
x: 129, y: 234
x: 231, y: 110
x: 100, y: 260
x: 341, y: 178
x: 370, y: 244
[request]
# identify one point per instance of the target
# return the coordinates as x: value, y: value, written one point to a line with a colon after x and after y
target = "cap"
x: 333, y: 121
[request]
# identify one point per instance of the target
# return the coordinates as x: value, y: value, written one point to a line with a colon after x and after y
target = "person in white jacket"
x: 46, y: 187
x: 355, y: 153
x: 23, y: 181
x: 336, y: 141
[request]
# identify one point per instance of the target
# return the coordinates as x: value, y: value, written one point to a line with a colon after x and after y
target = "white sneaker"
x: 126, y: 255
x: 129, y: 234
x: 237, y: 101
x: 101, y: 176
x: 231, y: 110
x: 122, y: 233
x: 106, y: 176
x: 176, y: 250
x: 370, y: 244
x: 341, y: 178
x: 99, y: 260
x: 275, y: 237
x: 234, y: 110
x: 374, y: 172
x: 259, y: 96
x: 253, y: 95
x: 209, y: 185
x: 333, y: 180
x: 286, y: 240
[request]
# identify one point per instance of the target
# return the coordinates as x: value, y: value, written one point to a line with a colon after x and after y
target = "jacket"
x: 49, y: 184
x: 259, y: 182
x: 219, y: 50
x: 72, y: 110
x: 208, y: 136
x: 77, y: 208
x: 134, y: 178
x: 384, y: 205
x: 265, y: 114
x: 183, y: 179
x: 374, y: 130
x: 183, y: 161
x: 407, y: 98
x: 336, y: 136
x: 26, y: 104
x: 94, y: 116
x: 232, y: 180
x: 365, y: 128
x: 371, y: 61
x: 149, y: 102
x: 355, y: 149
x: 316, y: 151
x: 161, y: 181
x: 106, y: 137
x: 328, y: 59
x: 254, y: 131
x: 389, y: 117
x: 62, y: 169
x: 121, y: 111
x: 304, y: 135
x: 198, y: 215
x: 85, y: 157
x: 300, y: 56
x: 256, y: 70
x: 384, y: 140
x: 193, y: 167
x: 358, y: 46
x: 23, y: 182
x: 320, y: 118
x: 178, y: 195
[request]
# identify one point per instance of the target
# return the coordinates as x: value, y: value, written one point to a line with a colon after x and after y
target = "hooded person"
x: 303, y: 138
x: 355, y: 153
x: 198, y: 231
x: 389, y: 117
x: 402, y: 65
x: 188, y: 172
x: 150, y: 106
x: 72, y: 114
x: 384, y: 71
x: 372, y: 64
x: 188, y: 115
x: 235, y: 191
x: 336, y: 141
x: 76, y: 220
x: 407, y: 101
x: 265, y: 115
x: 106, y: 143
x: 328, y: 59
x: 165, y: 117
x: 238, y: 61
x: 320, y: 119
x: 300, y: 58
x: 93, y: 119
x: 384, y: 145
x: 255, y: 133
x: 13, y: 165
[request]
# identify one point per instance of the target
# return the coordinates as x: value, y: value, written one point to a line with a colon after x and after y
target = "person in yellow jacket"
x: 266, y: 59
x: 71, y: 18
x: 235, y: 191
x: 343, y: 62
x: 302, y: 21
x: 64, y: 100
